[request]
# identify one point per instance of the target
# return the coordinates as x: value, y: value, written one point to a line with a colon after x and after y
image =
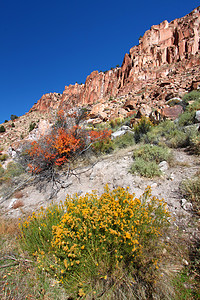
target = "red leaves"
x: 61, y: 144
x: 65, y: 142
x: 54, y: 149
x: 100, y: 135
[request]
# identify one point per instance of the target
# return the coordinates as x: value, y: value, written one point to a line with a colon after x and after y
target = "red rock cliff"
x: 165, y: 53
x: 47, y: 102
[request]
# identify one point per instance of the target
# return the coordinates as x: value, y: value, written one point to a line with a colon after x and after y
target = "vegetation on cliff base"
x: 107, y: 247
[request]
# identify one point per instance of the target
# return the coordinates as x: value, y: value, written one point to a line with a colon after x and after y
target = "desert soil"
x: 114, y: 170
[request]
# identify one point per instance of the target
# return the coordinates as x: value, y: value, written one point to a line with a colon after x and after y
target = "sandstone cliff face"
x: 47, y: 102
x: 165, y: 43
x: 164, y: 65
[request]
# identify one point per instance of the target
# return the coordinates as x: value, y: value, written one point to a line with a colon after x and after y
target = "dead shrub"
x: 17, y: 204
x: 18, y: 194
x: 8, y: 226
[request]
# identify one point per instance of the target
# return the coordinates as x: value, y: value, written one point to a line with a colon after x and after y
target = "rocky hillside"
x: 165, y: 53
x: 164, y: 66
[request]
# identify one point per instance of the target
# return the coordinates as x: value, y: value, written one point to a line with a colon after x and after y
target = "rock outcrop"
x: 157, y: 72
x: 152, y: 70
x: 47, y: 102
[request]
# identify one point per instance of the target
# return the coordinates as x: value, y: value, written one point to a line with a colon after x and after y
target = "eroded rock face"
x: 154, y: 58
x: 47, y: 102
x: 163, y: 66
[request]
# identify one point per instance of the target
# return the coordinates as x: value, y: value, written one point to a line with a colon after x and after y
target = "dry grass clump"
x: 18, y: 194
x: 19, y: 276
x: 8, y: 226
x: 18, y: 203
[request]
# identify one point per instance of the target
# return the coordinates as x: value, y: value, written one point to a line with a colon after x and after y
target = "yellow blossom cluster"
x: 115, y: 225
x: 89, y: 238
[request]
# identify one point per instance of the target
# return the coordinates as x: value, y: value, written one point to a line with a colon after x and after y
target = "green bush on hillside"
x: 32, y: 126
x: 13, y: 170
x: 186, y: 118
x: 1, y: 170
x: 144, y: 168
x: 192, y: 96
x: 13, y: 117
x: 115, y: 123
x: 124, y: 141
x: 168, y: 133
x: 191, y: 190
x: 191, y: 103
x: 3, y: 157
x: 152, y: 153
x: 147, y: 158
x: 178, y: 139
x: 2, y: 128
x: 142, y: 128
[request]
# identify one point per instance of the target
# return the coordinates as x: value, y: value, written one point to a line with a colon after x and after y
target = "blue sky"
x: 45, y: 45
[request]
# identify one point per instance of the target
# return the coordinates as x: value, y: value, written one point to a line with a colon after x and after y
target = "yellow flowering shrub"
x: 97, y: 235
x: 36, y: 231
x: 98, y: 240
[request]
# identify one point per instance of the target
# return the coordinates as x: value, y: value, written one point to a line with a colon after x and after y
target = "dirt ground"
x: 114, y: 170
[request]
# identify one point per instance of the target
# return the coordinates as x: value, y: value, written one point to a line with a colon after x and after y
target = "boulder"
x: 118, y: 133
x: 172, y: 113
x: 197, y: 116
x: 164, y: 166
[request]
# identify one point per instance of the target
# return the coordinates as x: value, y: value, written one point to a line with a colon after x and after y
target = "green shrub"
x: 102, y: 147
x: 144, y: 168
x: 3, y: 157
x: 2, y: 128
x: 184, y: 285
x: 1, y: 170
x: 32, y: 126
x: 36, y: 232
x: 13, y: 170
x: 194, y: 138
x: 160, y: 132
x: 192, y: 96
x: 101, y: 245
x: 115, y: 123
x: 124, y: 141
x: 103, y: 125
x: 178, y: 139
x: 151, y: 153
x: 142, y: 128
x: 191, y: 190
x: 194, y: 106
x: 168, y: 133
x: 13, y: 117
x: 186, y: 118
x: 147, y: 158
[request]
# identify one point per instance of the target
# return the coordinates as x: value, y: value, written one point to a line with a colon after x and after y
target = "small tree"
x: 32, y: 126
x: 2, y: 128
x: 13, y: 117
